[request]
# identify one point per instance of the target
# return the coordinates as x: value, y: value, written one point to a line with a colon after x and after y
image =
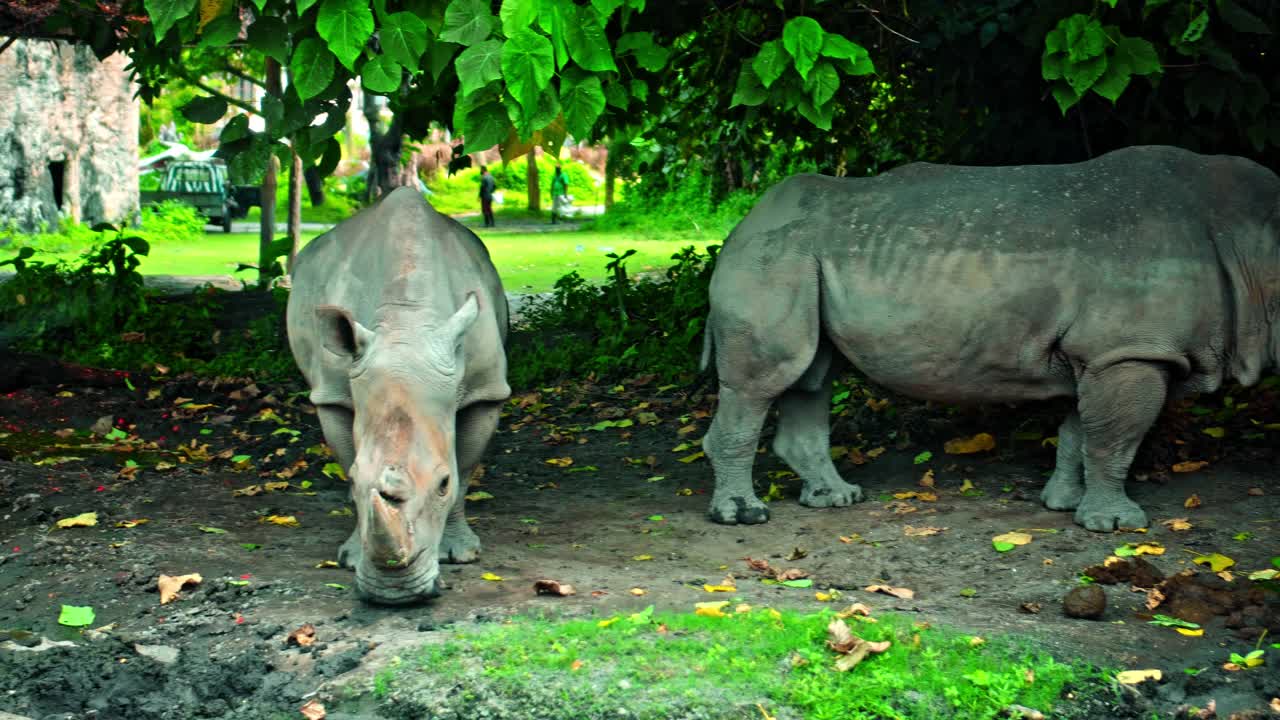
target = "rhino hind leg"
x: 804, y: 436
x: 1065, y: 488
x: 475, y: 426
x: 1117, y: 406
x: 730, y: 445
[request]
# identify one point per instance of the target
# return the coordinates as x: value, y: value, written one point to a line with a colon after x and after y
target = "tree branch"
x: 12, y: 39
x: 243, y: 76
x: 875, y: 16
x: 230, y: 100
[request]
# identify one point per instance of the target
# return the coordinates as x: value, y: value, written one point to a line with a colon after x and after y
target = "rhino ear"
x: 454, y: 330
x: 340, y: 334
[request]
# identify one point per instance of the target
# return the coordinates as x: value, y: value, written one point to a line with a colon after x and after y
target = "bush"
x: 459, y: 193
x: 172, y: 220
x: 621, y: 328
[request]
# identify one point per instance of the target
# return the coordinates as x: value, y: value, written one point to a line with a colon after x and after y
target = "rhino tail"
x: 708, y: 346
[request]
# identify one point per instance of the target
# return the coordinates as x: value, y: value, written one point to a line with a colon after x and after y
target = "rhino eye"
x: 443, y: 489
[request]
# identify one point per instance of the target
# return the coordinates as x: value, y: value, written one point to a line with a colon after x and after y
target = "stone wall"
x: 68, y: 136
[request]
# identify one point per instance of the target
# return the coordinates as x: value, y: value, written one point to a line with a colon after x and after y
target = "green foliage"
x: 623, y: 327
x: 742, y: 665
x: 1081, y: 54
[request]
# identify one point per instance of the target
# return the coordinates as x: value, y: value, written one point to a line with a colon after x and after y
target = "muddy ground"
x: 627, y: 513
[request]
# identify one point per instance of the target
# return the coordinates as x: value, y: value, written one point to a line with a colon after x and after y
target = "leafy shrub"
x: 624, y: 327
x: 172, y: 220
x: 457, y: 193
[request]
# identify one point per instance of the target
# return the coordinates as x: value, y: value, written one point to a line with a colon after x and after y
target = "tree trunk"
x: 315, y: 185
x: 295, y: 209
x: 531, y: 178
x: 385, y: 173
x: 267, y: 228
x: 610, y: 176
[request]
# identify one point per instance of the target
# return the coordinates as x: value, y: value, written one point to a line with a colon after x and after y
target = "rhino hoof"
x: 460, y: 547
x: 822, y: 496
x: 1062, y: 495
x: 738, y: 510
x: 1112, y: 515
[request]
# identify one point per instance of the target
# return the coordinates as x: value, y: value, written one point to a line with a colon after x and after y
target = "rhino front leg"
x: 1066, y: 487
x: 730, y: 445
x: 335, y: 423
x: 1117, y: 407
x: 804, y: 436
x: 475, y: 426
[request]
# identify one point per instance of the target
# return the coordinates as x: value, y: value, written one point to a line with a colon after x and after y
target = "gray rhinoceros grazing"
x: 397, y: 320
x: 1144, y: 273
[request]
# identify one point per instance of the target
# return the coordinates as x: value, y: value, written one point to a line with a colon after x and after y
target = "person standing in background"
x: 559, y: 195
x: 487, y: 186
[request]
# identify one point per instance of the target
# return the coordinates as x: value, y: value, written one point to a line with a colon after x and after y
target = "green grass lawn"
x: 526, y: 261
x: 748, y: 662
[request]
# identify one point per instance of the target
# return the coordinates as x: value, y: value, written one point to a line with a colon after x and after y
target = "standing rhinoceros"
x: 397, y: 320
x: 1118, y: 281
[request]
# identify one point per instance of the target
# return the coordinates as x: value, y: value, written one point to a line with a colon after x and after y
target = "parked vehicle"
x: 203, y: 185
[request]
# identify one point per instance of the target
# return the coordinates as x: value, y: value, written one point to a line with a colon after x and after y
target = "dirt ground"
x: 627, y: 513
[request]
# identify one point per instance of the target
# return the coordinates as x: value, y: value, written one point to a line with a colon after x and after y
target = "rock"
x: 163, y: 654
x: 10, y: 716
x: 102, y: 425
x: 1087, y: 601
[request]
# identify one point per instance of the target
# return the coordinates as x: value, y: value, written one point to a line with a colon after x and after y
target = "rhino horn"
x: 388, y: 542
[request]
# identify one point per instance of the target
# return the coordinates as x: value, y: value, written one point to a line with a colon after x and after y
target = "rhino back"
x: 947, y: 281
x: 397, y: 252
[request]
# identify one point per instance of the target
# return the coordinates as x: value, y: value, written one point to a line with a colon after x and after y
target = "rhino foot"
x: 459, y: 545
x: 1111, y: 513
x: 1060, y: 494
x: 836, y: 493
x: 737, y: 509
x: 350, y: 553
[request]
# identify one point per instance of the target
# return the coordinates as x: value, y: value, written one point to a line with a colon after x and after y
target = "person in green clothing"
x: 560, y: 198
x: 487, y: 187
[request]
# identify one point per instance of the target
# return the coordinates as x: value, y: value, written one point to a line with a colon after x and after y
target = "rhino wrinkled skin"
x: 1146, y: 273
x: 397, y: 320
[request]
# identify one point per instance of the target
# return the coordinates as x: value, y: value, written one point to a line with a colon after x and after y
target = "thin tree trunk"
x: 315, y: 185
x: 610, y: 176
x: 267, y: 228
x: 531, y: 178
x: 295, y: 209
x: 385, y: 173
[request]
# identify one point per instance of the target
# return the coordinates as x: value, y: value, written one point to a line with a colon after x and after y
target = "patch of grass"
x: 748, y: 664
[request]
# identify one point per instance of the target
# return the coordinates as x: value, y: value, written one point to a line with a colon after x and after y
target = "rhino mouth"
x: 416, y: 581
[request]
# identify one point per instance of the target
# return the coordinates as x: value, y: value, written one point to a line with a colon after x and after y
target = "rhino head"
x: 406, y: 376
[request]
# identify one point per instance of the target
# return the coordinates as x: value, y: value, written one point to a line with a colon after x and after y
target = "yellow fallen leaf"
x: 491, y: 577
x: 877, y: 405
x: 560, y: 462
x: 823, y: 597
x: 966, y: 446
x: 926, y: 480
x: 690, y: 458
x: 1177, y: 524
x: 711, y: 609
x: 873, y: 454
x: 1217, y: 562
x: 975, y: 641
x: 1215, y: 432
x: 1192, y: 502
x: 169, y: 585
x: 642, y: 558
x: 1013, y: 538
x: 966, y: 486
x: 921, y: 496
x: 742, y: 608
x: 638, y: 591
x: 131, y: 523
x: 1197, y: 632
x: 719, y: 588
x: 88, y: 519
x: 610, y: 621
x: 1190, y: 466
x: 282, y: 520
x: 775, y: 614
x: 274, y: 486
x: 249, y: 491
x: 326, y: 564
x: 1133, y: 677
x: 1049, y: 442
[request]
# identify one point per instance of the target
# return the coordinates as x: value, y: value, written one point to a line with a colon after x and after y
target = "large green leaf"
x: 1113, y: 82
x: 485, y: 126
x: 517, y: 15
x: 479, y: 65
x: 615, y: 93
x: 346, y: 26
x: 749, y: 91
x: 802, y: 37
x: 311, y: 68
x: 1064, y: 95
x: 302, y: 5
x: 857, y: 61
x: 1241, y: 19
x: 467, y: 22
x: 1082, y: 75
x: 527, y: 123
x: 205, y: 110
x: 164, y: 13
x: 819, y: 116
x: 439, y: 56
x: 1083, y: 37
x: 587, y: 43
x: 221, y: 31
x: 270, y: 36
x: 381, y: 74
x: 1138, y: 54
x: 822, y: 83
x: 582, y: 98
x: 527, y: 65
x: 640, y: 90
x: 404, y: 37
x: 649, y: 55
x: 770, y: 62
x: 606, y: 7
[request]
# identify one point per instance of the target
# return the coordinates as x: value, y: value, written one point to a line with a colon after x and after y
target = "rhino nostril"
x: 443, y: 488
x: 391, y: 497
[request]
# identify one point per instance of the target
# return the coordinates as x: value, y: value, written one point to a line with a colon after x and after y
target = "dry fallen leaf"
x: 282, y: 520
x: 1013, y: 538
x: 921, y: 531
x: 897, y: 592
x: 875, y: 453
x: 965, y: 446
x: 1177, y: 524
x: 560, y: 462
x: 170, y: 585
x: 711, y: 609
x: 638, y: 591
x: 1256, y: 491
x: 326, y: 564
x: 1190, y: 466
x: 853, y: 649
x: 312, y: 710
x: 854, y: 609
x: 551, y: 587
x: 1133, y: 677
x: 88, y: 519
x: 1192, y: 502
x: 1031, y: 608
x: 926, y: 480
x: 577, y: 665
x: 303, y: 636
x: 921, y: 496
